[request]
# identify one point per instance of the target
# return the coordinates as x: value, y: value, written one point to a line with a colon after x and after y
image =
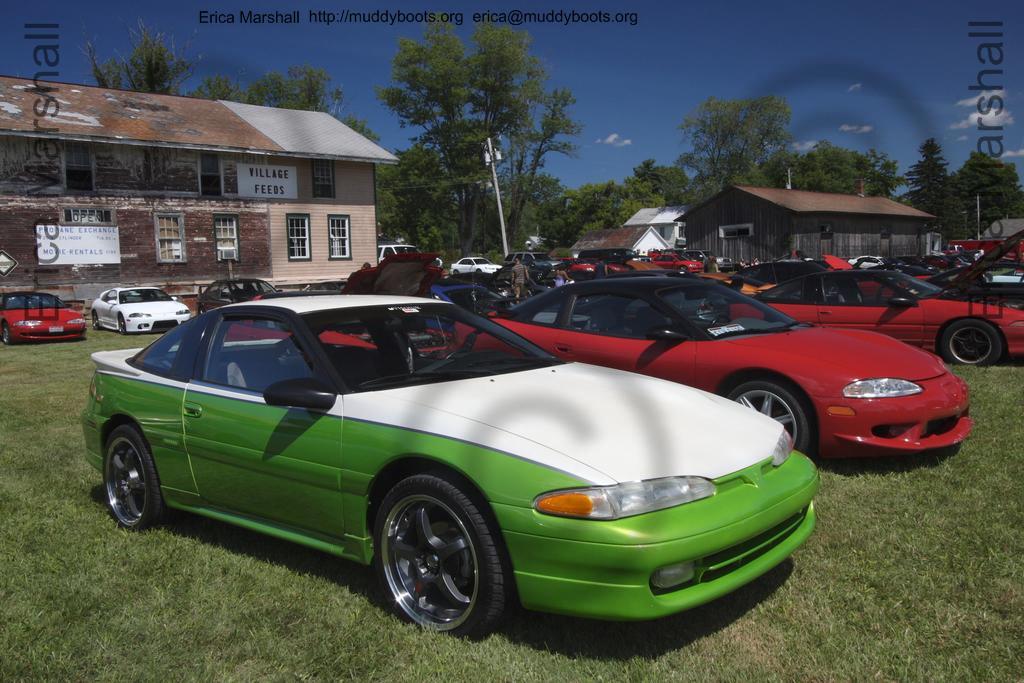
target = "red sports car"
x: 672, y: 260
x: 37, y: 316
x: 840, y: 393
x: 972, y: 332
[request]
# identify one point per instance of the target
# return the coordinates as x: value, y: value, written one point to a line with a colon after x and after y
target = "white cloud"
x: 615, y: 140
x: 855, y: 87
x: 855, y: 129
x: 1003, y: 118
x: 972, y: 101
x: 1014, y: 152
x: 804, y: 145
x: 961, y: 138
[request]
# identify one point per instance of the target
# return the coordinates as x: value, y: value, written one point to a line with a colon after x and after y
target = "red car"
x: 971, y: 332
x: 840, y: 393
x: 37, y: 316
x: 672, y: 260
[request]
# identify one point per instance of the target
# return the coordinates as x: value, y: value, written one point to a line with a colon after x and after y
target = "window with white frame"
x: 323, y: 178
x: 170, y: 238
x: 736, y: 230
x: 88, y: 216
x: 225, y: 234
x: 77, y: 166
x: 338, y: 237
x: 298, y: 237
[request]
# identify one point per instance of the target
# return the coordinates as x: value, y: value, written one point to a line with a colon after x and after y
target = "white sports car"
x: 138, y: 309
x: 474, y: 264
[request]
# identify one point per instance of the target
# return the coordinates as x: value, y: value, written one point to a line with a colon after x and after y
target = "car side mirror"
x: 666, y: 334
x: 306, y: 392
x: 174, y: 298
x: 902, y: 302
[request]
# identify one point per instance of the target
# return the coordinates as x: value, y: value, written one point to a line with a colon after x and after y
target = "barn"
x: 746, y: 222
x: 640, y: 239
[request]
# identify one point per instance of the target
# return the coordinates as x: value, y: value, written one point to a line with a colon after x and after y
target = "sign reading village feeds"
x: 73, y: 245
x: 266, y: 181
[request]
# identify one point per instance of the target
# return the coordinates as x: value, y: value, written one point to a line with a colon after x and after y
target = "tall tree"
x: 991, y: 182
x: 830, y: 168
x: 154, y: 64
x: 458, y: 98
x: 729, y: 138
x: 928, y: 179
x: 668, y: 183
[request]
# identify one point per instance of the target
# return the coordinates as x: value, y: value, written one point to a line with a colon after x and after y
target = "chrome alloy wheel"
x: 430, y: 563
x: 772, y: 405
x: 969, y: 345
x: 125, y: 482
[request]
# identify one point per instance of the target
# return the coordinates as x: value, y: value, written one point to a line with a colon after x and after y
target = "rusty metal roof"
x: 804, y: 201
x: 615, y: 238
x: 95, y: 114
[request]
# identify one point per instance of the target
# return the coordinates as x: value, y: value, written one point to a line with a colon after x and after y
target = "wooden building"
x: 102, y: 187
x: 640, y: 239
x: 744, y: 222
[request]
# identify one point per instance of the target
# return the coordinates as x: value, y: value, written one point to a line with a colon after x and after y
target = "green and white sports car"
x: 468, y: 466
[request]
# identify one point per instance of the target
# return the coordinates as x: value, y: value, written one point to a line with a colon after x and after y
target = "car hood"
x: 601, y: 425
x: 973, y: 272
x: 152, y: 307
x: 856, y: 354
x: 408, y: 274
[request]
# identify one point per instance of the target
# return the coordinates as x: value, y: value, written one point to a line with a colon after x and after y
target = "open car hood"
x: 836, y: 263
x: 972, y: 273
x: 398, y: 274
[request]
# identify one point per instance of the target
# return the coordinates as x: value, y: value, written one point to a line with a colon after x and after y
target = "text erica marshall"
x: 249, y: 17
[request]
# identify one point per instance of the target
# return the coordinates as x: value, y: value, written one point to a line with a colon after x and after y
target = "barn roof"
x: 615, y: 238
x: 805, y: 201
x: 1003, y: 228
x: 93, y: 114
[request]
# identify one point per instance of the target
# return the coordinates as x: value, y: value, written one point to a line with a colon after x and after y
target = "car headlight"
x: 624, y: 500
x: 28, y: 323
x: 883, y: 387
x: 783, y: 447
x: 139, y: 315
x: 76, y: 321
x: 184, y: 311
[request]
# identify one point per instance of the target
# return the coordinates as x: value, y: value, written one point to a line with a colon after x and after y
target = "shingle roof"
x: 1003, y: 228
x: 656, y: 215
x: 616, y: 238
x: 804, y: 201
x: 125, y: 117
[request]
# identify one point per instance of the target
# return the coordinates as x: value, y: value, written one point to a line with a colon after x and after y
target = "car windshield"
x: 33, y: 301
x: 384, y: 347
x: 139, y: 296
x: 910, y: 285
x: 405, y: 250
x: 470, y: 296
x: 721, y: 312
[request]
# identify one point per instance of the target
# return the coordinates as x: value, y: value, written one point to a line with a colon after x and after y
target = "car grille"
x: 163, y: 325
x: 715, y: 566
x: 936, y: 427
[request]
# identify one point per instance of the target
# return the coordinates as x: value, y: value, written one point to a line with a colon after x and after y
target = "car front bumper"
x: 155, y: 323
x: 43, y: 333
x: 938, y: 417
x: 603, y: 569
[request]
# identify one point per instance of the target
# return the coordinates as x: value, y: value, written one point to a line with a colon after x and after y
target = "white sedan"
x: 474, y: 264
x: 138, y: 309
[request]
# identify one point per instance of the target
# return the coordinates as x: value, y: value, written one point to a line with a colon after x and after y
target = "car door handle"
x: 825, y: 312
x: 192, y: 410
x: 563, y: 348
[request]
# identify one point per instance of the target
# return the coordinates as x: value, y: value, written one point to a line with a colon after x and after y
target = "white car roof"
x: 311, y: 304
x: 129, y: 289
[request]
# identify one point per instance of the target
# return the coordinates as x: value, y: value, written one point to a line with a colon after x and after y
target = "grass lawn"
x: 916, y: 571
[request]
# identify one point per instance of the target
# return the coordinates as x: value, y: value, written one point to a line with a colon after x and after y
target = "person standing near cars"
x: 520, y: 279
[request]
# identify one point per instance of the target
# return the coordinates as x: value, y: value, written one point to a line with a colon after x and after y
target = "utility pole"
x: 977, y: 198
x: 491, y: 158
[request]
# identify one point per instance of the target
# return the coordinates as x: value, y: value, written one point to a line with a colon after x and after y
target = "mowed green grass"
x: 914, y: 572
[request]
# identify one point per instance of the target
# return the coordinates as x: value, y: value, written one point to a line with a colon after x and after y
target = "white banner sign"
x: 72, y: 245
x: 267, y: 182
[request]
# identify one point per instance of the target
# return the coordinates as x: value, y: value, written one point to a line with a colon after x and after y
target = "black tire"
x: 971, y: 342
x: 95, y: 321
x: 478, y: 572
x: 130, y: 480
x: 122, y: 328
x: 786, y: 402
x: 5, y: 335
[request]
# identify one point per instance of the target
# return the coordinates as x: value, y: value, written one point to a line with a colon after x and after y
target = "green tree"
x: 928, y: 179
x: 411, y: 203
x: 456, y: 99
x: 830, y: 168
x: 729, y: 139
x: 154, y: 64
x: 668, y: 183
x: 219, y: 88
x: 995, y: 184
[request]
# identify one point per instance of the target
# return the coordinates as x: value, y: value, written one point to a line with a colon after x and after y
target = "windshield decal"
x: 725, y: 329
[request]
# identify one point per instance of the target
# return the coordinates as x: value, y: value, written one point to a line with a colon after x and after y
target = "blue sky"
x: 858, y: 74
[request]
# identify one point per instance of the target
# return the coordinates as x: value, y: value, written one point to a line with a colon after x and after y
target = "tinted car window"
x: 34, y: 302
x: 791, y: 291
x: 253, y: 353
x: 616, y: 315
x: 159, y: 356
x: 137, y: 296
x: 722, y: 312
